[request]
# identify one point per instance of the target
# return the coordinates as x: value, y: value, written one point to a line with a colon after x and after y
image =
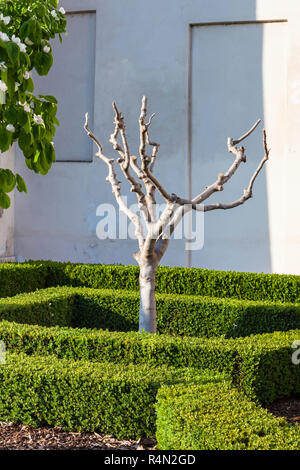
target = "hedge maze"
x: 223, y: 351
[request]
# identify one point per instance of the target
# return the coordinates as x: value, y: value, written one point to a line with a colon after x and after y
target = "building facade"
x: 210, y: 69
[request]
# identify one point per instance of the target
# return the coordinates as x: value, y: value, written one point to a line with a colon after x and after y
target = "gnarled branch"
x: 160, y: 230
x: 247, y: 192
x: 125, y: 160
x: 196, y: 203
x: 115, y: 184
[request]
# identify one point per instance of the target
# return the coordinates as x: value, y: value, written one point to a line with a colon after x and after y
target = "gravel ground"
x: 19, y: 437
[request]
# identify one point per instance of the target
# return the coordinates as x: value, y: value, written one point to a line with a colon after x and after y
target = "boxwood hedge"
x: 17, y: 278
x: 121, y: 347
x: 218, y: 417
x: 43, y: 307
x: 189, y: 281
x: 260, y: 365
x: 118, y: 310
x: 83, y: 396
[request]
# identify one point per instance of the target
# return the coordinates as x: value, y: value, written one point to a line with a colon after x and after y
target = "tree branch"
x: 145, y: 160
x: 115, y: 184
x: 247, y: 192
x: 182, y: 210
x: 238, y: 141
x: 160, y: 231
x: 125, y: 161
x: 224, y: 178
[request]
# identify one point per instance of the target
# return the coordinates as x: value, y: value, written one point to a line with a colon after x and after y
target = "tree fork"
x: 154, y: 244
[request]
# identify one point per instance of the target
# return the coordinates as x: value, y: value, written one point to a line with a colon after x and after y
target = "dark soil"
x: 288, y: 408
x: 19, y: 437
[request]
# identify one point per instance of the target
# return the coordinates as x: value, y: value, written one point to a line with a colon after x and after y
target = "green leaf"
x: 4, y: 200
x: 11, y: 115
x: 45, y: 164
x: 7, y: 181
x: 31, y: 29
x: 49, y: 98
x: 2, y: 44
x: 25, y: 59
x: 54, y: 3
x: 43, y: 62
x: 13, y: 52
x: 11, y: 83
x: 27, y: 125
x: 29, y: 152
x: 50, y: 153
x: 21, y: 185
x: 22, y: 117
x: 5, y: 139
x: 24, y: 30
x: 29, y: 85
x: 24, y: 141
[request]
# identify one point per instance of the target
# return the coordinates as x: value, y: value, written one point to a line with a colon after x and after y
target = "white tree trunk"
x: 147, y: 321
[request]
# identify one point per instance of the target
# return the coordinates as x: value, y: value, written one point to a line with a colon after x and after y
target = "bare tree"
x: 139, y: 174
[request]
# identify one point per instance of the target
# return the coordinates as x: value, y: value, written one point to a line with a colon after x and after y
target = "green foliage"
x: 265, y: 370
x: 18, y: 278
x: 83, y: 396
x: 43, y: 307
x: 120, y: 347
x: 188, y: 281
x: 26, y: 27
x: 118, y: 310
x: 216, y: 416
x: 91, y: 379
x: 185, y: 315
x: 260, y: 365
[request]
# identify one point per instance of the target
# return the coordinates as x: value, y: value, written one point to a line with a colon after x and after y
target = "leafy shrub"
x: 260, y: 365
x: 18, y: 278
x: 265, y: 370
x: 188, y: 281
x: 118, y: 310
x: 83, y: 396
x: 26, y: 27
x: 126, y: 348
x: 218, y: 417
x: 43, y: 307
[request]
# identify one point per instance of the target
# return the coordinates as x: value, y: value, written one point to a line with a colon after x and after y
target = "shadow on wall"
x: 226, y: 100
x: 58, y: 220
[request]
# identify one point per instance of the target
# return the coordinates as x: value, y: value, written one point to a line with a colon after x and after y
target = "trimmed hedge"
x: 18, y: 278
x: 83, y: 396
x: 260, y: 365
x: 265, y: 369
x: 126, y: 348
x: 218, y: 417
x: 189, y: 281
x: 46, y: 307
x: 118, y: 310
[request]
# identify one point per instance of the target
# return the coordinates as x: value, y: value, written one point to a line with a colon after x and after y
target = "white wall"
x: 141, y: 48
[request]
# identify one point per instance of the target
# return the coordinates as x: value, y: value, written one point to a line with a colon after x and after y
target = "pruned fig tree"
x: 153, y: 242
